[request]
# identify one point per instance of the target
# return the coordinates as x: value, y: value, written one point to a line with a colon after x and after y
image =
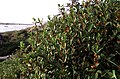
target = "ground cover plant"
x: 82, y: 42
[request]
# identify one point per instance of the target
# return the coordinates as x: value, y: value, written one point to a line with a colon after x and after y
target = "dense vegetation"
x: 82, y: 42
x: 11, y: 41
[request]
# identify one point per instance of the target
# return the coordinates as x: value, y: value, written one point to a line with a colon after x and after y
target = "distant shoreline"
x: 15, y: 24
x: 15, y: 27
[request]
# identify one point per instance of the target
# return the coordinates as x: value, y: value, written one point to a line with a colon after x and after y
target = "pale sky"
x: 22, y: 11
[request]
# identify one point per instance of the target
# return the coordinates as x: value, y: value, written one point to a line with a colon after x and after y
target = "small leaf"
x: 114, y: 76
x: 90, y: 27
x: 58, y: 5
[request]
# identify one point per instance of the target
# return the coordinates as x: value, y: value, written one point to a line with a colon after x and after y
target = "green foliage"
x: 11, y: 41
x: 80, y: 43
x: 9, y: 69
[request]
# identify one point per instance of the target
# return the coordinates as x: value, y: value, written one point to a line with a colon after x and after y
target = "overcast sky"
x: 22, y: 11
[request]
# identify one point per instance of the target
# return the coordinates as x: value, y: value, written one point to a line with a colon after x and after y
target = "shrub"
x: 82, y: 42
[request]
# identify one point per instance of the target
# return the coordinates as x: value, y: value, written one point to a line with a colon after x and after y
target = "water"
x: 6, y: 28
